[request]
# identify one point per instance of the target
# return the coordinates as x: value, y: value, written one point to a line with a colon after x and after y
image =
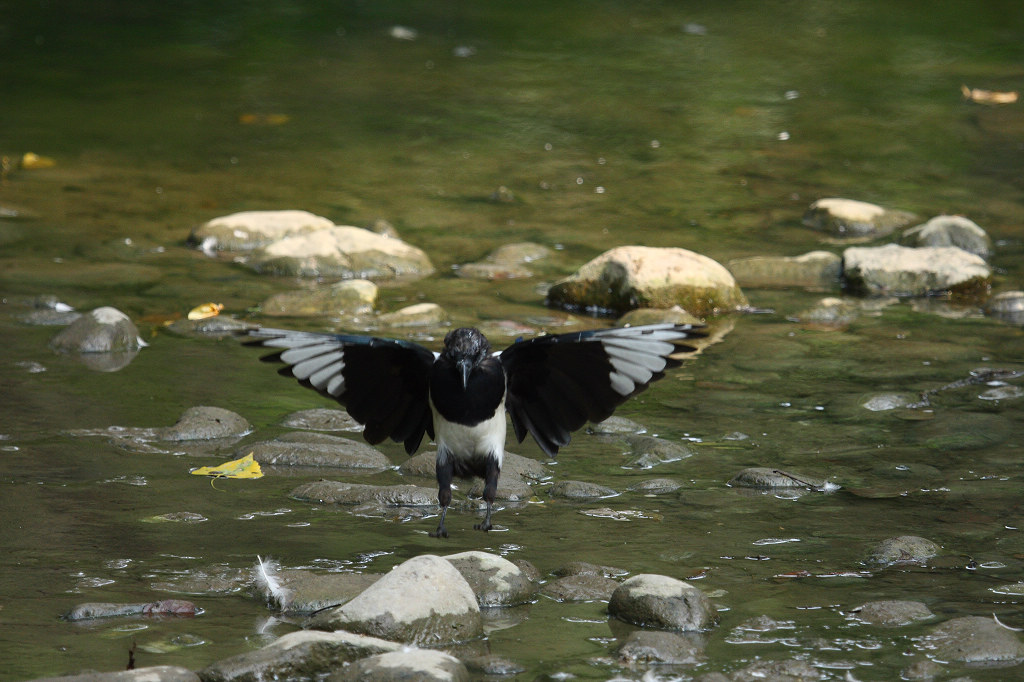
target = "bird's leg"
x: 490, y: 488
x: 444, y: 493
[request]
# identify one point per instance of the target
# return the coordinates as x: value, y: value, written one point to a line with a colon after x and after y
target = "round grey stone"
x: 662, y: 602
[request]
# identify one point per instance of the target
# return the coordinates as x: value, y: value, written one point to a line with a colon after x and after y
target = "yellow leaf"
x: 205, y: 310
x: 256, y: 119
x: 30, y: 161
x: 246, y: 467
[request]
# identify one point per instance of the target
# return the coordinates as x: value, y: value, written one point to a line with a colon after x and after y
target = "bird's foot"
x: 486, y: 525
x: 441, y: 532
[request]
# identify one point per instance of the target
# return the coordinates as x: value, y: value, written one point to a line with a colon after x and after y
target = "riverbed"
x: 664, y: 124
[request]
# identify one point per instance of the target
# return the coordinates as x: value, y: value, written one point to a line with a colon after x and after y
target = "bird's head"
x: 465, y: 348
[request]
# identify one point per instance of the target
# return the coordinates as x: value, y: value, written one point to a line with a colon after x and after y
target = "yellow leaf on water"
x: 263, y: 119
x: 30, y: 161
x: 246, y: 467
x: 205, y: 310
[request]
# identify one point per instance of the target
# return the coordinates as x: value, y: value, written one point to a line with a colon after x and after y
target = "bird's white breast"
x: 467, y: 442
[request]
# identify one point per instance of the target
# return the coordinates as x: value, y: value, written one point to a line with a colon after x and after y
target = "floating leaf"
x: 246, y: 467
x: 205, y: 310
x: 32, y: 161
x: 989, y: 96
x: 263, y: 119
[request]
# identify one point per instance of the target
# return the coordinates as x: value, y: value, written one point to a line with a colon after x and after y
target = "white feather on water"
x: 269, y: 584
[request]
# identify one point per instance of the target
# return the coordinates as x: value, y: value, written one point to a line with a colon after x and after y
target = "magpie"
x: 550, y: 385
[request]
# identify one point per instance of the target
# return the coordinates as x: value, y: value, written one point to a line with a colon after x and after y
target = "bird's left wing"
x: 381, y: 382
x: 558, y: 383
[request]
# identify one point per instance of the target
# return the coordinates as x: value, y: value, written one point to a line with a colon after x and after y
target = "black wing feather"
x: 382, y: 383
x: 558, y: 383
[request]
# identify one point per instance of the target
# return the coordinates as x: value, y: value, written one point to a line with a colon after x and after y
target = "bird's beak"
x: 465, y: 367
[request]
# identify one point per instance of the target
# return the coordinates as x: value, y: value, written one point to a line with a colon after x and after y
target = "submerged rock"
x: 216, y: 579
x: 656, y: 486
x: 156, y: 673
x: 630, y: 277
x: 321, y: 419
x: 815, y: 270
x: 416, y: 315
x: 424, y: 600
x: 777, y: 671
x: 580, y: 490
x: 48, y: 310
x: 336, y: 492
x: 766, y: 477
x: 205, y: 423
x: 950, y: 230
x: 306, y: 654
x: 506, y: 262
x: 883, y: 402
x: 492, y: 665
x: 104, y: 330
x: 613, y: 425
x: 344, y: 297
x: 848, y: 218
x: 831, y: 314
x: 646, y: 647
x: 661, y: 602
x: 903, y: 549
x: 167, y: 607
x: 891, y: 613
x: 1007, y: 306
x: 974, y: 639
x: 587, y: 568
x: 176, y: 517
x: 649, y: 451
x: 306, y: 449
x: 425, y: 665
x: 582, y: 587
x: 894, y: 270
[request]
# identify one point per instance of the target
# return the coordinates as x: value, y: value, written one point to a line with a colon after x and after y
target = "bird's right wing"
x: 381, y: 382
x: 558, y: 383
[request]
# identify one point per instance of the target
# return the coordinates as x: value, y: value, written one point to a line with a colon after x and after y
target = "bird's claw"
x: 441, y: 532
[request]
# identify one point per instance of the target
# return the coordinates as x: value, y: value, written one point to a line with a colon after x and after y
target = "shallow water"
x: 612, y: 123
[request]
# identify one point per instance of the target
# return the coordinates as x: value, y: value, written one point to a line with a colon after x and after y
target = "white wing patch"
x: 322, y: 377
x: 305, y: 369
x: 288, y: 339
x: 297, y: 354
x: 635, y: 357
x: 314, y: 360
